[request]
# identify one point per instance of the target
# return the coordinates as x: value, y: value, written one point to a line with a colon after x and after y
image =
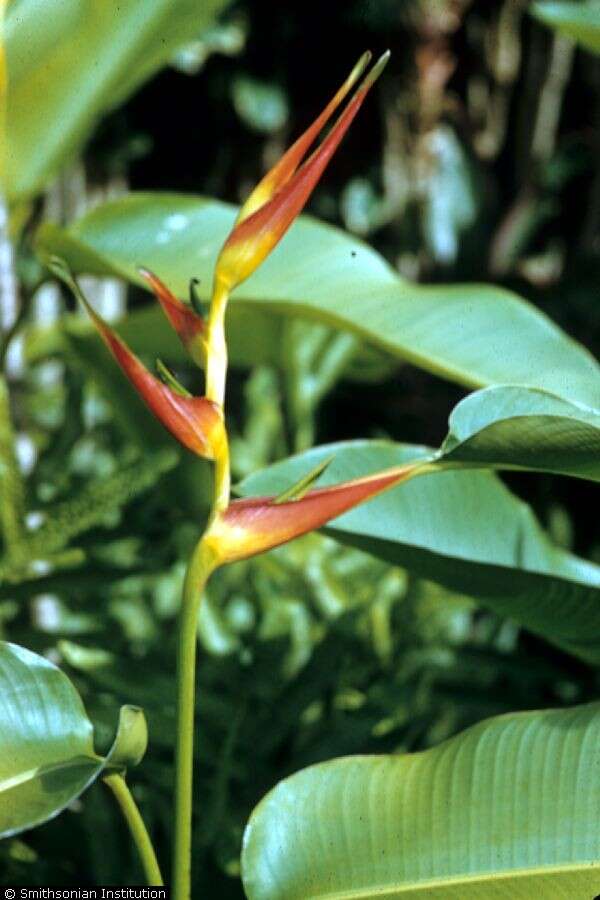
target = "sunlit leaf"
x: 579, y: 21
x: 520, y: 428
x: 507, y: 809
x: 476, y: 335
x: 47, y: 756
x: 69, y: 62
x: 464, y: 530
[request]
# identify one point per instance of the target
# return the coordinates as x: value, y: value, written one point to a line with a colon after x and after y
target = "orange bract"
x: 252, y: 526
x: 188, y: 324
x: 196, y: 422
x: 280, y: 197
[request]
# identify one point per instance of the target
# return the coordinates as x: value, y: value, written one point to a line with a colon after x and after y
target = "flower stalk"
x: 240, y: 529
x: 199, y: 569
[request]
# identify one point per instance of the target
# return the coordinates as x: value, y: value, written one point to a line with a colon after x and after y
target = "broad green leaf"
x: 507, y: 809
x: 579, y: 21
x: 69, y: 62
x: 148, y: 332
x: 47, y: 755
x: 476, y: 335
x: 521, y: 428
x: 463, y: 530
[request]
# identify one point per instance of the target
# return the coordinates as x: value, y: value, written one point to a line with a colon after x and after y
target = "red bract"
x: 196, y: 422
x: 187, y: 323
x: 281, y: 195
x: 252, y: 526
x: 291, y: 159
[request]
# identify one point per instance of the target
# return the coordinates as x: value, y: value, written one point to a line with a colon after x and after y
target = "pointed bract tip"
x: 282, y: 194
x: 376, y: 71
x: 360, y: 67
x: 254, y: 525
x: 195, y: 422
x: 187, y: 322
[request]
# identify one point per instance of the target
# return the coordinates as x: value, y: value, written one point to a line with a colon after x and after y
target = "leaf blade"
x: 47, y: 756
x: 464, y: 530
x: 81, y: 59
x: 446, y: 822
x: 322, y: 274
x: 521, y: 428
x: 578, y: 21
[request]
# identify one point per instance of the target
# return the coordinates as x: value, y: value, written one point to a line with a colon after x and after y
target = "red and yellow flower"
x: 243, y: 528
x: 252, y: 526
x: 196, y: 422
x: 282, y: 194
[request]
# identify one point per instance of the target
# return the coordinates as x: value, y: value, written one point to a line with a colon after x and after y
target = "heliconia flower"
x: 196, y: 422
x: 283, y: 170
x: 188, y: 324
x: 252, y: 526
x: 281, y: 195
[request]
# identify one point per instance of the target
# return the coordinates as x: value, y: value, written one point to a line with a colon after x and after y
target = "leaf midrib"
x: 454, y: 881
x: 8, y: 784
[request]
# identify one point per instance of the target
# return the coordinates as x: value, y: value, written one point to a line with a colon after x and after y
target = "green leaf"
x: 464, y: 530
x: 520, y: 428
x: 303, y: 485
x: 507, y: 809
x: 146, y: 331
x: 47, y: 756
x: 69, y: 62
x: 579, y: 21
x: 476, y: 335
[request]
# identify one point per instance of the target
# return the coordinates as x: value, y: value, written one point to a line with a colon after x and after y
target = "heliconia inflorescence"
x: 188, y: 324
x: 244, y: 528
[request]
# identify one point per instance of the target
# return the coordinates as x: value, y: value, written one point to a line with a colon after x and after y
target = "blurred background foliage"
x: 476, y: 160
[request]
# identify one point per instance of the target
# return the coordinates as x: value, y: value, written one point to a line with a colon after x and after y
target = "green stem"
x: 200, y: 567
x: 12, y: 501
x: 131, y: 814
